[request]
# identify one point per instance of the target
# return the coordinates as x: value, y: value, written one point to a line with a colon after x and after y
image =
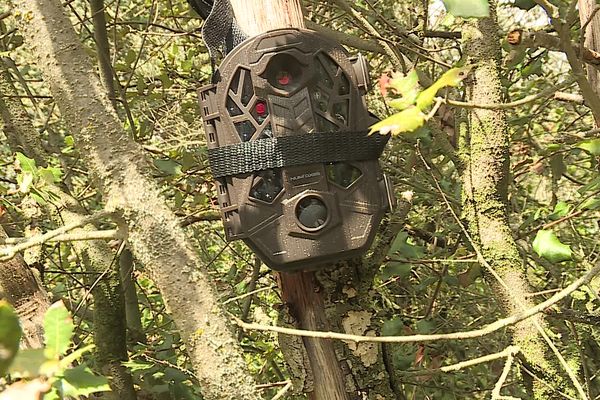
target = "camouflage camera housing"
x: 301, y: 97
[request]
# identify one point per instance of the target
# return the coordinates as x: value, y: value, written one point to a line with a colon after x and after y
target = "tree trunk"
x: 484, y: 150
x: 154, y: 233
x: 20, y: 286
x: 592, y: 39
x: 109, y: 328
x: 325, y: 370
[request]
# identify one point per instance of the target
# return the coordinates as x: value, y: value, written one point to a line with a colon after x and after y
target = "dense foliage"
x: 429, y: 282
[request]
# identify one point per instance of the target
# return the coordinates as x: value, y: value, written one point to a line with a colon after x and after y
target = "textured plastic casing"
x: 295, y: 82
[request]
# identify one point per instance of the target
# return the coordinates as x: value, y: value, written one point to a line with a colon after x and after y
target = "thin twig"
x: 503, y: 106
x: 498, y: 387
x: 510, y: 350
x: 69, y: 237
x: 486, y: 330
x: 283, y: 391
x: 8, y: 253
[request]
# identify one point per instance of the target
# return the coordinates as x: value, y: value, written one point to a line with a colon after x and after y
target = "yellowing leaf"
x: 407, y: 86
x: 452, y: 77
x: 405, y: 121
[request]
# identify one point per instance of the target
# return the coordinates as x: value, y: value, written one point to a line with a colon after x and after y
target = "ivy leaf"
x: 58, y: 329
x: 393, y: 327
x: 10, y: 335
x: 405, y: 121
x: 468, y: 8
x: 547, y: 245
x: 591, y: 146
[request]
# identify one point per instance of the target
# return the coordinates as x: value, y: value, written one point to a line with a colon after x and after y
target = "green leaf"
x: 402, y: 247
x: 593, y: 203
x: 50, y: 174
x: 27, y: 164
x: 81, y: 381
x: 58, y: 328
x: 468, y: 8
x: 560, y: 210
x: 10, y: 335
x: 424, y: 326
x: 591, y: 146
x: 27, y: 363
x: 395, y: 268
x: 168, y: 166
x: 393, y: 327
x: 547, y: 245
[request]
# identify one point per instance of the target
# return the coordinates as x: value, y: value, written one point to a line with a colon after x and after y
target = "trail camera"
x: 297, y: 176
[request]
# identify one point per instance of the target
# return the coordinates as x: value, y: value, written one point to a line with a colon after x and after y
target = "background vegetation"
x: 428, y: 281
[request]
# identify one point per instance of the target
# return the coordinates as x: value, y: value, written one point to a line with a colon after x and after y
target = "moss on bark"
x: 484, y: 149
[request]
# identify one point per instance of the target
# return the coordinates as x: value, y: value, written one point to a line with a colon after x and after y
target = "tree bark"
x: 21, y: 287
x: 592, y: 39
x: 484, y: 150
x: 109, y: 328
x: 154, y: 233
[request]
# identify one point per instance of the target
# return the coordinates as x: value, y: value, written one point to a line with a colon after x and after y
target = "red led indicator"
x: 283, y: 78
x: 261, y: 108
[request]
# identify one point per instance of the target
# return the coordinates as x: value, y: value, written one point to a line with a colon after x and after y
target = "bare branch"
x: 8, y: 253
x: 486, y: 330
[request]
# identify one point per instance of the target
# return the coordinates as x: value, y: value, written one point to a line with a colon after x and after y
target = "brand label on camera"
x: 304, y: 178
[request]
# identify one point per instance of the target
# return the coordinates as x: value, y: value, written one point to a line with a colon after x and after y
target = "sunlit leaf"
x: 168, y: 166
x: 405, y: 121
x: 58, y: 328
x: 27, y: 164
x: 591, y: 146
x: 547, y: 245
x: 468, y: 8
x: 25, y: 180
x: 560, y: 210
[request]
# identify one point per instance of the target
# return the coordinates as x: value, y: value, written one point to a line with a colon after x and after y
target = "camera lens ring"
x: 312, y: 213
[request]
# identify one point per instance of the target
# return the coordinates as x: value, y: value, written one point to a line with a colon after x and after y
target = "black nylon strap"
x: 288, y: 151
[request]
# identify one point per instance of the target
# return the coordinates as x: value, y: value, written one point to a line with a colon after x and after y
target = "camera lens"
x: 284, y: 72
x: 311, y: 212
